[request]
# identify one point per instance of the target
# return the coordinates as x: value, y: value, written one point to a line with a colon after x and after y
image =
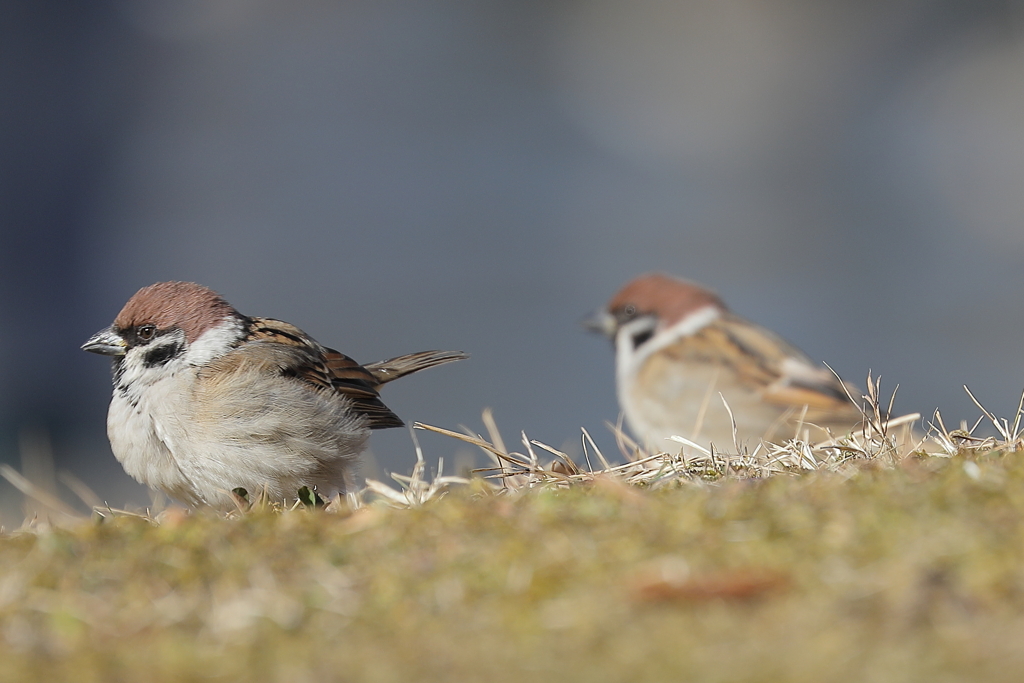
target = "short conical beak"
x: 601, y: 321
x: 107, y: 343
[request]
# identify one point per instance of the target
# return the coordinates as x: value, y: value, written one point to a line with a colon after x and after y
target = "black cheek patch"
x: 161, y: 354
x: 641, y: 337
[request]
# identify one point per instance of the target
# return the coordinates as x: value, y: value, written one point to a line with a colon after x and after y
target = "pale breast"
x: 142, y: 434
x: 686, y: 399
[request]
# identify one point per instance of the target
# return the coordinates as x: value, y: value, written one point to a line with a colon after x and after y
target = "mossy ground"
x: 912, y: 573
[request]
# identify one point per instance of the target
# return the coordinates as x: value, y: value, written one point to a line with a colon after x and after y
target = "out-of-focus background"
x: 402, y: 175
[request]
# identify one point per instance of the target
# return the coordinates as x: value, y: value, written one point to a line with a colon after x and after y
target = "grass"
x: 871, y: 557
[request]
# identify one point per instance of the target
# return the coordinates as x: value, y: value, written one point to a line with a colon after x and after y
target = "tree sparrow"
x: 677, y: 347
x: 207, y: 400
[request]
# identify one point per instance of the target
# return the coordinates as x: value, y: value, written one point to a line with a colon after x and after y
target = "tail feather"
x: 386, y: 370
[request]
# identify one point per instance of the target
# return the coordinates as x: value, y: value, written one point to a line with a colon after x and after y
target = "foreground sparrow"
x: 207, y: 400
x: 677, y: 347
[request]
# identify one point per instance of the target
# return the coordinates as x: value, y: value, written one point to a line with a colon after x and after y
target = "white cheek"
x: 135, y: 374
x: 693, y: 323
x: 215, y: 342
x: 628, y: 360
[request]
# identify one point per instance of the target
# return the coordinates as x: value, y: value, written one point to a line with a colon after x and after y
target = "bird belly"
x: 671, y: 398
x: 271, y: 434
x: 142, y: 438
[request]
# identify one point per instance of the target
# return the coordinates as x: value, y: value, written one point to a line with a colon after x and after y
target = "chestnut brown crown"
x: 670, y: 299
x: 186, y: 305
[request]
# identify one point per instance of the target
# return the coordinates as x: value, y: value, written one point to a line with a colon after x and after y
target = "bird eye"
x: 630, y: 310
x: 145, y: 332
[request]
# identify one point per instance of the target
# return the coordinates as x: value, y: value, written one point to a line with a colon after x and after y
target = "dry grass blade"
x: 492, y: 430
x: 686, y: 442
x: 35, y: 493
x: 105, y: 511
x: 1012, y: 435
x: 80, y: 489
x: 627, y: 445
x: 1017, y: 417
x: 1012, y: 438
x: 732, y: 421
x: 563, y: 457
x: 992, y: 418
x: 475, y: 441
x: 415, y: 489
x: 587, y: 438
x: 528, y: 445
x: 698, y: 463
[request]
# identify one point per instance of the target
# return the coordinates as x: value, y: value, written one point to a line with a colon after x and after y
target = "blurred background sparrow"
x: 475, y: 175
x: 686, y: 365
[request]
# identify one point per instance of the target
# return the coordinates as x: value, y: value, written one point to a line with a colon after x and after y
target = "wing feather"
x: 325, y: 369
x: 766, y: 363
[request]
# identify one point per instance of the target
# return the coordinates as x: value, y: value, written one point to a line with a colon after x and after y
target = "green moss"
x: 907, y: 574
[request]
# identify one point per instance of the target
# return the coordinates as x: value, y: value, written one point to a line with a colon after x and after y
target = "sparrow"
x: 207, y: 400
x: 678, y: 347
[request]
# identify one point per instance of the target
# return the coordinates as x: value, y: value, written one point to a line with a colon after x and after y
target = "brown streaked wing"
x: 752, y: 340
x: 329, y: 370
x: 715, y: 346
x: 764, y: 362
x: 798, y: 381
x: 359, y: 385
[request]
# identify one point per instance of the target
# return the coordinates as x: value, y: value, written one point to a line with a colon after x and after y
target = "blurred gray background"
x: 394, y: 176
